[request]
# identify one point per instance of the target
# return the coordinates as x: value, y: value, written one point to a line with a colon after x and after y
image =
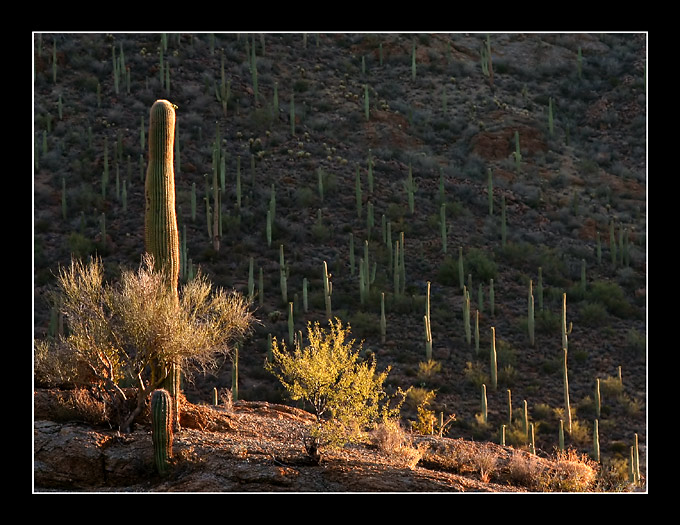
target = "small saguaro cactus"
x: 161, y: 429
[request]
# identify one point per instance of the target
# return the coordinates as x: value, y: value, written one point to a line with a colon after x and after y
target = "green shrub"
x: 480, y: 265
x: 611, y: 296
x: 345, y: 393
x: 592, y: 314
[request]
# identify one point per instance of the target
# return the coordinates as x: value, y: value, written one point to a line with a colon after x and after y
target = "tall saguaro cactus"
x: 160, y: 219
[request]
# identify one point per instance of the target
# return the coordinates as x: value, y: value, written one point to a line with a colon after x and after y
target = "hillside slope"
x: 575, y: 200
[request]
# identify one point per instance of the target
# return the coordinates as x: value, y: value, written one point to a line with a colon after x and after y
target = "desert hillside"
x: 522, y: 155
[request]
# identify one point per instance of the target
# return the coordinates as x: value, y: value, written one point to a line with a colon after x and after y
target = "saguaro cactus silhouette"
x: 160, y: 220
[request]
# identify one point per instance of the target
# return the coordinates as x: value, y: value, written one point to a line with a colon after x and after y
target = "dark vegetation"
x: 576, y: 188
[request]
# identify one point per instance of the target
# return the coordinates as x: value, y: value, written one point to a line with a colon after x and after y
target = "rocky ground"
x: 259, y: 447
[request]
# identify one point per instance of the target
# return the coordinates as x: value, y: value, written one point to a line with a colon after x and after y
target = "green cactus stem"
x: 160, y: 219
x: 567, y: 408
x: 358, y: 192
x: 283, y: 275
x: 161, y: 429
x: 383, y: 320
x: 636, y: 460
x: 161, y: 233
x: 234, y: 375
x: 260, y: 287
x: 565, y: 331
x: 493, y: 360
x: 466, y: 315
x: 291, y: 325
x: 305, y: 294
x: 327, y: 289
x: 517, y: 153
x: 428, y: 326
x: 351, y: 254
x: 485, y: 414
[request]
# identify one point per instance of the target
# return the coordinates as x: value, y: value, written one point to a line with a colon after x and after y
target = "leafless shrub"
x: 525, y: 470
x: 485, y: 461
x: 391, y: 438
x: 570, y: 472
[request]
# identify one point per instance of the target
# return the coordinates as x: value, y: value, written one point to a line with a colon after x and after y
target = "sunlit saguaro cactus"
x: 160, y: 225
x: 160, y: 220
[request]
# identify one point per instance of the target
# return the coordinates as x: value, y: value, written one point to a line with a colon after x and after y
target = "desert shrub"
x: 425, y: 423
x: 636, y: 342
x: 364, y: 324
x: 486, y: 462
x: 114, y: 330
x: 592, y: 314
x: 524, y: 469
x: 345, y: 392
x: 80, y: 246
x: 390, y: 438
x: 428, y: 370
x: 479, y: 264
x: 611, y: 386
x: 547, y: 322
x: 474, y: 373
x: 448, y: 271
x: 611, y: 296
x: 570, y: 472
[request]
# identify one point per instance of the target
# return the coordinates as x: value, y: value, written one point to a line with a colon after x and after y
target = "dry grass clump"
x: 570, y: 472
x: 391, y: 439
x: 525, y: 470
x: 486, y: 462
x: 78, y: 404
